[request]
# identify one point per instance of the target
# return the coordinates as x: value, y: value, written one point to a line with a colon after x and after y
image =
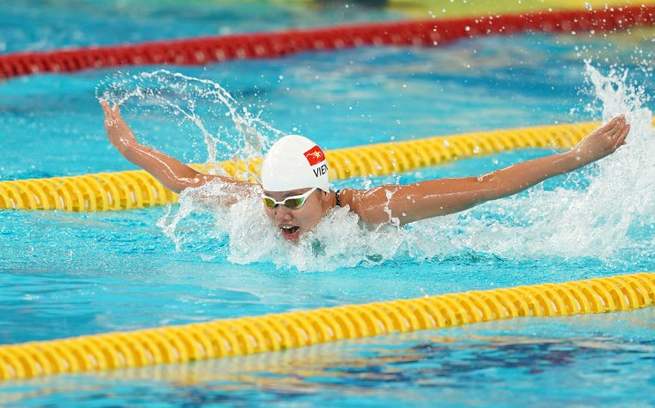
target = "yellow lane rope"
x: 137, y: 189
x: 474, y: 8
x: 274, y: 332
x: 464, y: 8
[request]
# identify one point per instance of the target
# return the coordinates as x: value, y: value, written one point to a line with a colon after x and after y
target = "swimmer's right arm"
x: 173, y: 174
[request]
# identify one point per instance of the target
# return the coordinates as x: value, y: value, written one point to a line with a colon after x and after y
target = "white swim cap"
x: 295, y: 162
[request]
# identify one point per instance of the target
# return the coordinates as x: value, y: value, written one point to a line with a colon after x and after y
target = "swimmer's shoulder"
x: 349, y: 197
x: 369, y: 205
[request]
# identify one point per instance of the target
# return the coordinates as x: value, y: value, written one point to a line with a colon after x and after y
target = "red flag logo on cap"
x: 314, y: 155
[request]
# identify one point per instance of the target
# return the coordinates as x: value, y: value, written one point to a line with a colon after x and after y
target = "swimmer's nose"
x: 282, y: 213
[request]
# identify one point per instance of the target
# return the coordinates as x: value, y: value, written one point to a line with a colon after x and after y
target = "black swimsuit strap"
x: 336, y: 193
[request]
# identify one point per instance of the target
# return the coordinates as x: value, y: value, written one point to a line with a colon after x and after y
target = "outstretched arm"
x: 172, y: 173
x: 413, y: 202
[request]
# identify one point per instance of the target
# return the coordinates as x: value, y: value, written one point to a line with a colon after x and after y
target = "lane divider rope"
x: 434, y: 32
x: 138, y: 189
x: 275, y: 332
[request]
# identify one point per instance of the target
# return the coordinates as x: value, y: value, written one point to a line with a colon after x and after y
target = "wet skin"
x: 293, y: 223
x: 387, y: 204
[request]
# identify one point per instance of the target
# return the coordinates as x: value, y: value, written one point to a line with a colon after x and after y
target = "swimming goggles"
x: 293, y: 202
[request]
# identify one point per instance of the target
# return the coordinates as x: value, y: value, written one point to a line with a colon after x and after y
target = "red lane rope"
x: 200, y: 51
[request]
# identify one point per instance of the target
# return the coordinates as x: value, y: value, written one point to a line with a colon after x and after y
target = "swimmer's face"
x: 295, y: 221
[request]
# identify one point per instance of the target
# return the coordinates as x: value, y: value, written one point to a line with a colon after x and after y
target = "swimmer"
x: 295, y: 184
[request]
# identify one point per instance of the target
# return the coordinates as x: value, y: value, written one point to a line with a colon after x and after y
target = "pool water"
x: 68, y: 274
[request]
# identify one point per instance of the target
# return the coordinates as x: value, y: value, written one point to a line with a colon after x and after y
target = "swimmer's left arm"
x: 402, y: 204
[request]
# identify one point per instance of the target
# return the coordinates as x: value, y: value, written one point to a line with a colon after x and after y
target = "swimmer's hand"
x: 603, y: 141
x: 430, y: 198
x: 172, y: 173
x: 118, y: 132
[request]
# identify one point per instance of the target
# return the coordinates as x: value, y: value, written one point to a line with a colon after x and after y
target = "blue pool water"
x: 68, y: 274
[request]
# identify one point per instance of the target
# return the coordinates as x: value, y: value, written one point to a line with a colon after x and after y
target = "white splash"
x: 614, y: 213
x: 339, y: 240
x: 229, y: 131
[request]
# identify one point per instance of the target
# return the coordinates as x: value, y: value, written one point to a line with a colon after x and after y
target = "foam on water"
x: 612, y: 213
x: 337, y: 241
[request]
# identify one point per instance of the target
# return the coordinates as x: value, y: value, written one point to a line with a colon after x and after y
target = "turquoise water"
x: 66, y: 274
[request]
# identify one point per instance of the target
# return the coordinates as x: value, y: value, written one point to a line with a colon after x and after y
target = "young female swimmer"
x: 296, y: 193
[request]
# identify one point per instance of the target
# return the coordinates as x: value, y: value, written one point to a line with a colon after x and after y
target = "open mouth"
x: 290, y: 232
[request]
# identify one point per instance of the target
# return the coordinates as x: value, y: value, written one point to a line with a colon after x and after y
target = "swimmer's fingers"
x: 118, y: 132
x: 620, y: 140
x: 617, y: 131
x: 110, y: 114
x: 105, y: 108
x: 611, y: 128
x: 604, y: 140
